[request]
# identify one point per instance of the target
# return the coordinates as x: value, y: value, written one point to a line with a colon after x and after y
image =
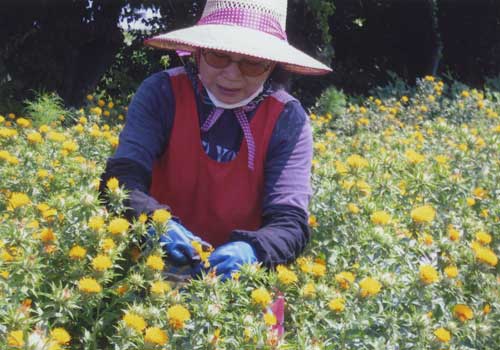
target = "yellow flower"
x: 453, y: 233
x: 480, y: 193
x: 155, y: 335
x: 42, y: 206
x: 463, y: 312
x: 261, y: 296
x: 428, y: 274
x: 155, y: 262
x: 111, y: 105
x: 90, y: 97
x: 160, y: 287
x: 486, y: 309
x: 60, y: 336
x: 318, y: 269
x: 484, y: 254
x: 49, y: 214
x: 483, y: 237
x: 101, y: 103
x: 121, y: 289
x: 97, y: 111
x: 56, y: 136
x: 15, y: 338
x: 42, y: 173
x: 451, y: 271
x: 4, y: 274
x: 6, y: 256
x: 161, y: 216
x: 69, y: 146
x: 340, y: 167
x: 202, y: 252
x: 442, y: 334
x: 414, y: 157
x: 17, y: 200
x: 107, y: 244
x: 353, y: 208
x: 47, y: 235
x: 269, y: 319
x: 427, y: 239
x: 77, y: 252
x: 96, y: 222
x: 337, y: 304
x: 440, y: 159
x: 423, y: 214
x: 134, y: 321
x: 305, y: 264
x: 34, y: 137
x: 177, y: 316
x: 23, y: 122
x: 89, y: 285
x: 44, y: 129
x: 112, y: 184
x: 369, y: 287
x: 363, y: 187
x: 312, y: 221
x: 309, y: 290
x: 380, y: 218
x: 285, y: 275
x: 118, y: 226
x: 344, y: 279
x: 471, y: 201
x: 143, y: 218
x: 356, y: 161
x: 101, y: 263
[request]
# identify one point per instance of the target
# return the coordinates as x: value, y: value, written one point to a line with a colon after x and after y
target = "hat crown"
x: 275, y: 9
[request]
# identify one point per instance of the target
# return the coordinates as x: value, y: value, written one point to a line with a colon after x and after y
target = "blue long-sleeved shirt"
x: 287, y: 190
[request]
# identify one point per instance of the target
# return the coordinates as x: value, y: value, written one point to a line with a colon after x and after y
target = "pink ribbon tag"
x: 278, y: 309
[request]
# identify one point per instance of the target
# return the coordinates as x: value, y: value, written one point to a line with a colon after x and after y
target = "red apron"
x: 211, y: 198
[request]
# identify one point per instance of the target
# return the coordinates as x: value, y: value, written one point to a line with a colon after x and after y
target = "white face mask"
x: 242, y: 103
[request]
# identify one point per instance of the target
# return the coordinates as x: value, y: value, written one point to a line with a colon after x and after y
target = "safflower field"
x: 405, y: 219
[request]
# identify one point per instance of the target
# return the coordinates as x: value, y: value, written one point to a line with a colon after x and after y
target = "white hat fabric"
x: 249, y: 27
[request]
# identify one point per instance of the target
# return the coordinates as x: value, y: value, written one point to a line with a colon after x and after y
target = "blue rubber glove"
x: 230, y: 256
x: 176, y: 243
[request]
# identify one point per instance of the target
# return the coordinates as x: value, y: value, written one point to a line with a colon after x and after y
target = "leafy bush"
x: 404, y: 251
x: 45, y: 109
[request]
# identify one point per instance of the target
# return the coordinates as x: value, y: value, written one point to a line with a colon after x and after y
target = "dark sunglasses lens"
x: 217, y: 60
x: 253, y: 69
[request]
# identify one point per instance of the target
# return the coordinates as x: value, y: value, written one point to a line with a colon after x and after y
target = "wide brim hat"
x: 249, y: 27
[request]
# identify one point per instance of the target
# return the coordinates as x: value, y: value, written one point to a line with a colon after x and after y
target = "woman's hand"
x: 229, y: 257
x: 177, y: 244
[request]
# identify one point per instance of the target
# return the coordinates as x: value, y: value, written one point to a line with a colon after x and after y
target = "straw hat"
x: 249, y: 27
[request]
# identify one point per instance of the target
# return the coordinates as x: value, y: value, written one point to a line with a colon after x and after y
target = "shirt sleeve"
x: 142, y: 140
x: 287, y: 191
x: 149, y: 122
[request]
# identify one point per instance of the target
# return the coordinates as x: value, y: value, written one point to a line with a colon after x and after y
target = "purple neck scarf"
x: 240, y: 113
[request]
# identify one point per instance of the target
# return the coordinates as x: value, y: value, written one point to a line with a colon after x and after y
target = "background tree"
x: 71, y: 46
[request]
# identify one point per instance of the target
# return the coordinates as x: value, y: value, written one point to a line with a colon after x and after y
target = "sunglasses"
x: 247, y: 67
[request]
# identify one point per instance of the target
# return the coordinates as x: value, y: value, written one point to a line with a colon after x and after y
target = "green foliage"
x: 323, y: 10
x: 45, y: 108
x: 332, y: 100
x: 358, y: 285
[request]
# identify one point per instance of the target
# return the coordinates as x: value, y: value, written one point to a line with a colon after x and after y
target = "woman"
x: 217, y: 144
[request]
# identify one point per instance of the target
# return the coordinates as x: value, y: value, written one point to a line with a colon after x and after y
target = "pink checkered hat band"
x: 247, y: 18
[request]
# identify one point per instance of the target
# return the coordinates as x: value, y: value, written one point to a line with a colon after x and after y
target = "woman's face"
x: 229, y: 84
